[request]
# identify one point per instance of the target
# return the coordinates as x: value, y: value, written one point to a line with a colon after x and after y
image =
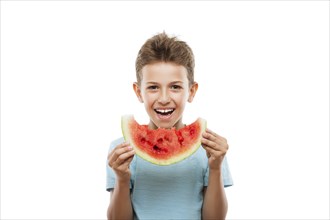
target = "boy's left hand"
x: 216, y: 148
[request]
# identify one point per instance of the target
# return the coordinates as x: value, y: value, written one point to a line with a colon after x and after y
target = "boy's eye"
x: 152, y: 87
x: 176, y: 87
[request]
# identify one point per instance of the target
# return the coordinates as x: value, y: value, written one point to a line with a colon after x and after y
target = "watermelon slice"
x: 163, y: 146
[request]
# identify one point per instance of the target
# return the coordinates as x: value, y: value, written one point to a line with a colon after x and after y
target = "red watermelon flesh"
x: 163, y: 146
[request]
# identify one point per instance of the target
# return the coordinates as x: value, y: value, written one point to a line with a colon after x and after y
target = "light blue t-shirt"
x: 168, y: 192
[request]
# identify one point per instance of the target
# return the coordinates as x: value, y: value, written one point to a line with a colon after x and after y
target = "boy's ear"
x: 137, y: 91
x: 192, y: 91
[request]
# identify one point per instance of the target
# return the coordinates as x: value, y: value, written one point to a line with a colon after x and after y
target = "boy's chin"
x: 157, y: 123
x: 165, y: 124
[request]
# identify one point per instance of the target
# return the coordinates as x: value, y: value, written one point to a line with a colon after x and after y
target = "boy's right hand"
x: 119, y: 160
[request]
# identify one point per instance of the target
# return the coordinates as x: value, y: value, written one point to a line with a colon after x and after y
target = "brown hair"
x: 162, y: 48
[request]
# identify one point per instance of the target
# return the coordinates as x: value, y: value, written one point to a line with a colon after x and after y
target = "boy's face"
x: 164, y: 90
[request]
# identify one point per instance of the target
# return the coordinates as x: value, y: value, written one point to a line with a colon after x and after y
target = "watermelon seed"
x: 160, y: 150
x: 156, y: 148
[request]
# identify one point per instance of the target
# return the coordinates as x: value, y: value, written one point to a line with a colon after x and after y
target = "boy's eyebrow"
x: 151, y: 82
x: 176, y: 82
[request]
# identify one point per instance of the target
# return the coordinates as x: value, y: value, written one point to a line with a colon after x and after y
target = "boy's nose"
x: 164, y: 97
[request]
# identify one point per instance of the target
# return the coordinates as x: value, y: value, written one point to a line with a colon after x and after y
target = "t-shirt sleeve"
x: 226, y: 175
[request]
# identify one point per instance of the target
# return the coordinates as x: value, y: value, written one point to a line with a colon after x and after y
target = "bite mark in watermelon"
x: 163, y: 146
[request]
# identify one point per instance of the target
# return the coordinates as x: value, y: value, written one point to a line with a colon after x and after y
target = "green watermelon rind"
x: 126, y: 119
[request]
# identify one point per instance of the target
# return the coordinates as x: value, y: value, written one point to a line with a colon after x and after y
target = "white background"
x: 67, y: 70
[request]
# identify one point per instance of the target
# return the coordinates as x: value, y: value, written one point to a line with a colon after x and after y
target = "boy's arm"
x: 215, y: 202
x: 119, y: 160
x: 120, y: 206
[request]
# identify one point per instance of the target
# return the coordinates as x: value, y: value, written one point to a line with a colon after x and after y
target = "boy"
x: 190, y: 189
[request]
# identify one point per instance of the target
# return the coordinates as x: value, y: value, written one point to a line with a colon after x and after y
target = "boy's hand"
x: 216, y: 148
x: 119, y: 160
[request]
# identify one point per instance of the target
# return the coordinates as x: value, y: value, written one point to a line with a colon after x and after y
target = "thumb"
x: 206, y: 151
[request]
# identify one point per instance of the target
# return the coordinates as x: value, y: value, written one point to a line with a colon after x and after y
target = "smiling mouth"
x: 165, y: 112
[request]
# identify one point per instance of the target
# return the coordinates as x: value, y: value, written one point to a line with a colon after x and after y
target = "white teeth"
x: 164, y: 111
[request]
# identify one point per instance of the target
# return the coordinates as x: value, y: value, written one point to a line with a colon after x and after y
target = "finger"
x: 215, y: 137
x: 210, y: 136
x: 215, y: 134
x: 122, y: 145
x: 128, y: 161
x: 116, y: 160
x: 125, y: 165
x: 123, y: 157
x: 209, y: 151
x: 118, y: 154
x: 120, y: 151
x: 211, y: 132
x: 215, y: 153
x: 222, y: 146
x: 209, y: 143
